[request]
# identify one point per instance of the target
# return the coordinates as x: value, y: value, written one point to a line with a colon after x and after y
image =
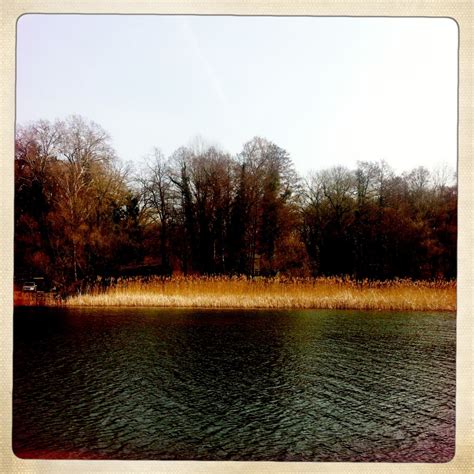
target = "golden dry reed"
x: 277, y: 292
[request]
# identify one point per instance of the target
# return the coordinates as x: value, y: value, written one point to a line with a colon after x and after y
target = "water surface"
x: 234, y: 385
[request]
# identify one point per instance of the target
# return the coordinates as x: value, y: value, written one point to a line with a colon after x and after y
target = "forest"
x: 81, y: 214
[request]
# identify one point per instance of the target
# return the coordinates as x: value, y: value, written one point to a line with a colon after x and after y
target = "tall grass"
x: 278, y: 292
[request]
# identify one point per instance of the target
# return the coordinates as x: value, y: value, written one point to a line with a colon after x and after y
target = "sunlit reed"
x: 277, y: 292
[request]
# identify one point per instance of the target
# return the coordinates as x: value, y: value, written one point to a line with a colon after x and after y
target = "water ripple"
x: 234, y: 385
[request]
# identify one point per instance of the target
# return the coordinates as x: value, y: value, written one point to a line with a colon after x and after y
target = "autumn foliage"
x: 81, y: 216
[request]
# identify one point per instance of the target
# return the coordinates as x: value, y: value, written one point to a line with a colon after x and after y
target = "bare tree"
x: 156, y: 187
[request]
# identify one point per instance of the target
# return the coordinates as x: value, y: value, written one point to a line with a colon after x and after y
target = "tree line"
x: 80, y: 213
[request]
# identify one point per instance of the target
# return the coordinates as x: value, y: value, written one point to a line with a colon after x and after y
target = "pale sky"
x: 330, y: 91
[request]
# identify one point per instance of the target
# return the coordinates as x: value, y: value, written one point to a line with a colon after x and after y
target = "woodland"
x: 81, y: 214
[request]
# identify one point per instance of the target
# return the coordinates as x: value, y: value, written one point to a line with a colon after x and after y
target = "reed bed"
x: 277, y: 292
x: 21, y: 298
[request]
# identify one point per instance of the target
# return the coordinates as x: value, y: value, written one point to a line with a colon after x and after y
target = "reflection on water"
x: 234, y: 385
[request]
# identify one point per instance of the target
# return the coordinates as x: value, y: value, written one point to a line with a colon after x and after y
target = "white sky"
x: 330, y: 91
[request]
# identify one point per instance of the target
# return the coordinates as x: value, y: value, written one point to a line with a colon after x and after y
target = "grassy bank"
x: 21, y: 298
x: 240, y: 292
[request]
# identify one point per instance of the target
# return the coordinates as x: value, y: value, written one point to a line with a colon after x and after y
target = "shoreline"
x: 255, y: 308
x: 237, y: 308
x: 261, y: 293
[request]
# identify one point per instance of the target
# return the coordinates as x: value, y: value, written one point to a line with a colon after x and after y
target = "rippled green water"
x: 234, y: 385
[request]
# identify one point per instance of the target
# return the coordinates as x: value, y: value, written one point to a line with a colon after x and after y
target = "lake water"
x: 234, y: 385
